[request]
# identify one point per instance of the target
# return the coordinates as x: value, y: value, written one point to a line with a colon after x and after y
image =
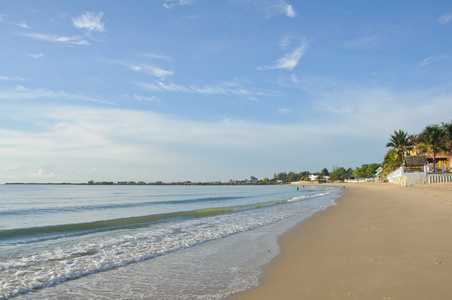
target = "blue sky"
x: 214, y: 90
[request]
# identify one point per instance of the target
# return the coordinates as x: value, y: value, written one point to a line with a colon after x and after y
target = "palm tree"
x: 391, y: 161
x: 432, y: 140
x: 399, y: 142
x: 447, y: 127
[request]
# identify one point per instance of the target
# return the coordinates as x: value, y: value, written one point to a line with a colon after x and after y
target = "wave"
x: 63, y: 230
x: 51, y: 232
x: 81, y: 208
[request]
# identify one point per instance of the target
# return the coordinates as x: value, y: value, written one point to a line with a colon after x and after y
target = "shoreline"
x: 380, y: 241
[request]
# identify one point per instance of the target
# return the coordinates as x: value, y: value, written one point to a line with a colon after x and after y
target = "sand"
x: 381, y: 241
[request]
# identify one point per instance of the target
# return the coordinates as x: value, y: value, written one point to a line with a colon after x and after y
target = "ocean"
x: 145, y: 241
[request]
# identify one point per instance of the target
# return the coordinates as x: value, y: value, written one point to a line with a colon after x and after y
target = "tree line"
x: 337, y: 174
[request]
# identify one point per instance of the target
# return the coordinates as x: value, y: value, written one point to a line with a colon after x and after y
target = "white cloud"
x: 289, y: 11
x: 290, y: 60
x: 75, y: 40
x: 168, y: 4
x: 435, y: 58
x: 21, y: 92
x: 161, y: 86
x: 367, y: 41
x: 145, y: 68
x: 156, y: 56
x: 89, y: 21
x: 146, y: 98
x: 270, y: 8
x: 40, y: 173
x: 151, y: 70
x: 22, y: 25
x: 444, y: 19
x: 286, y: 40
x: 221, y: 88
x: 35, y: 55
x: 9, y: 78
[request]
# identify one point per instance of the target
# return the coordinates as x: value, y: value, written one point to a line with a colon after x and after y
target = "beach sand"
x: 381, y: 241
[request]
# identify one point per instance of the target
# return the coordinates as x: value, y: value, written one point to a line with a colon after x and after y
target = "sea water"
x: 144, y: 241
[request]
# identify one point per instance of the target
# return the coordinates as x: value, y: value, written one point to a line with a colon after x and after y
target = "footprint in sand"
x: 373, y: 228
x: 436, y: 261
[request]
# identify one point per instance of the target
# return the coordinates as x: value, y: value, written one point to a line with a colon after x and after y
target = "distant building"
x: 313, y: 176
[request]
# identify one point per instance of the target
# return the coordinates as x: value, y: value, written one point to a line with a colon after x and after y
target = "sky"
x: 207, y: 90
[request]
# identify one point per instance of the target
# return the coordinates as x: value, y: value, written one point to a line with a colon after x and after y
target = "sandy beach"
x: 381, y: 241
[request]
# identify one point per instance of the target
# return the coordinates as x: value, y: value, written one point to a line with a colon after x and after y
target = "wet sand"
x: 381, y: 241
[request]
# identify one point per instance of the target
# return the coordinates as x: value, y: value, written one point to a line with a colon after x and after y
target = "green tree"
x: 280, y: 176
x: 447, y: 127
x: 432, y: 140
x: 324, y: 172
x: 360, y: 172
x: 366, y: 170
x: 305, y: 175
x: 399, y: 142
x: 253, y: 178
x: 292, y: 177
x: 391, y: 161
x: 338, y: 174
x: 372, y: 169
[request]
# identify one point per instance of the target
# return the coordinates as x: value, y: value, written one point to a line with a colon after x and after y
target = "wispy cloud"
x: 156, y: 56
x: 146, y: 98
x: 367, y: 41
x: 151, y: 70
x: 74, y: 40
x: 168, y: 4
x: 40, y: 173
x: 9, y: 78
x: 22, y: 24
x: 435, y: 58
x: 283, y: 110
x: 221, y: 88
x: 444, y: 19
x: 89, y: 21
x: 270, y: 8
x: 35, y: 55
x: 286, y: 41
x: 145, y: 68
x: 288, y: 61
x: 21, y: 92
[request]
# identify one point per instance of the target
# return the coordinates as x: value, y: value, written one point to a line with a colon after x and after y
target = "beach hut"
x: 415, y: 163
